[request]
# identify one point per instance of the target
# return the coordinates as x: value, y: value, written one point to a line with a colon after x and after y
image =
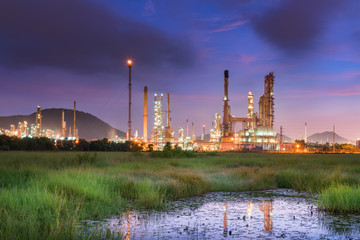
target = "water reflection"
x: 267, y: 208
x: 250, y: 209
x: 200, y: 218
x: 225, y: 225
x: 128, y: 225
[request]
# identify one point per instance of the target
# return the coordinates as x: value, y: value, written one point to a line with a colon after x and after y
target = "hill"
x: 89, y: 126
x: 326, y: 137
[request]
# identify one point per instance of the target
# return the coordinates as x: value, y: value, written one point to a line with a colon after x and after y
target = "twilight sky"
x: 55, y: 52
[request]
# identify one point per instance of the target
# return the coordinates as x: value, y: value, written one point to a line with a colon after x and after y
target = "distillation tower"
x: 158, y: 134
x: 168, y: 129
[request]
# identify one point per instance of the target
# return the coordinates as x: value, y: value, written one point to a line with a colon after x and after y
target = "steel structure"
x: 168, y: 130
x: 257, y: 131
x: 158, y: 134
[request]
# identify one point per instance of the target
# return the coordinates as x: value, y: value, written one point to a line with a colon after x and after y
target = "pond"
x: 271, y: 214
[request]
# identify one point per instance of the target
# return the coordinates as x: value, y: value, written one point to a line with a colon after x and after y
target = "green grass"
x: 43, y: 195
x: 341, y: 199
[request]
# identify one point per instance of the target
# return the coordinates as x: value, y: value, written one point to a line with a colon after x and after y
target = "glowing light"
x: 129, y: 62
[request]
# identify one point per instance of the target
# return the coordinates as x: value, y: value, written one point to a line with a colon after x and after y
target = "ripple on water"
x: 271, y: 214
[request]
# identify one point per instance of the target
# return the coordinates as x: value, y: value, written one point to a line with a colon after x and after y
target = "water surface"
x: 269, y: 214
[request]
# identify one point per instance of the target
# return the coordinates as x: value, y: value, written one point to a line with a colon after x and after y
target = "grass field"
x: 43, y: 195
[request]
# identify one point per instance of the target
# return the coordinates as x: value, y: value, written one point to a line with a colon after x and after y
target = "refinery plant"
x: 24, y: 129
x: 257, y: 132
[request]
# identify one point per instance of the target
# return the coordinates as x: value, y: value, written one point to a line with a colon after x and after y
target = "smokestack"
x: 226, y: 85
x: 305, y: 137
x: 192, y: 131
x: 226, y: 118
x: 38, y: 122
x: 75, y: 120
x: 168, y: 111
x: 129, y: 123
x: 145, y: 115
x: 187, y: 127
x: 334, y: 138
x: 281, y: 138
x: 203, y: 133
x: 63, y: 125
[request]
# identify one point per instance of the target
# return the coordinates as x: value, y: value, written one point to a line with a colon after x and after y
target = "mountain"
x: 89, y: 126
x: 326, y: 137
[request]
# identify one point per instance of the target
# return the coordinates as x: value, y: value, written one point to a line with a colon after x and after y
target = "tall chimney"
x: 129, y: 122
x: 168, y: 111
x: 75, y: 120
x: 63, y: 125
x: 281, y: 138
x: 187, y: 127
x: 334, y: 138
x: 226, y: 118
x: 192, y: 131
x: 145, y: 115
x: 203, y: 133
x: 305, y: 138
x: 38, y: 122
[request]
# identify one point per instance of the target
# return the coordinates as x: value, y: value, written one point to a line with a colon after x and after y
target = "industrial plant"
x: 228, y: 132
x: 24, y: 129
x: 256, y: 132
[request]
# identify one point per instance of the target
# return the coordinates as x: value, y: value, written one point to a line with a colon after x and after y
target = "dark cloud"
x: 295, y: 25
x: 81, y: 36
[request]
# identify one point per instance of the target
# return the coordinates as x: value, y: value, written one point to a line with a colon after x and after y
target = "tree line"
x: 8, y: 143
